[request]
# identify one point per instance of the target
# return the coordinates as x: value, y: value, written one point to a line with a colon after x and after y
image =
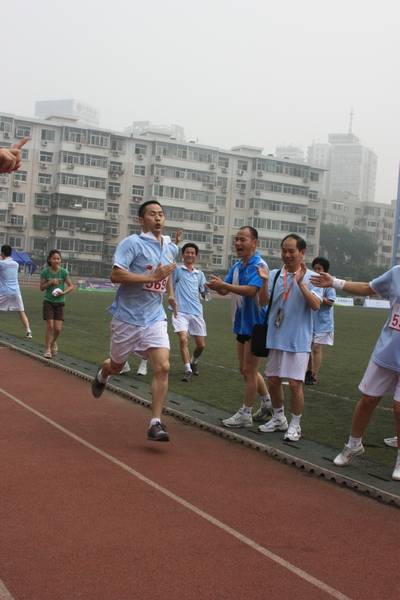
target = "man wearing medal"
x: 289, y: 333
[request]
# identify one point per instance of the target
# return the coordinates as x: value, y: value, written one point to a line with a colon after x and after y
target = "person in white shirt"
x: 382, y: 376
x: 10, y: 293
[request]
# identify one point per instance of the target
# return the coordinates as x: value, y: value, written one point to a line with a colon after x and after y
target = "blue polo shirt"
x: 246, y: 312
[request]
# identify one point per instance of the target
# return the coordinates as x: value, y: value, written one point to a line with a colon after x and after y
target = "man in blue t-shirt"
x: 142, y: 266
x: 189, y: 288
x: 382, y: 376
x: 243, y: 283
x: 322, y: 324
x: 289, y: 333
x: 10, y: 294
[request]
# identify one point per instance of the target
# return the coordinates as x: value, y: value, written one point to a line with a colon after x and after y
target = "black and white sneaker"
x: 158, y: 433
x: 97, y: 386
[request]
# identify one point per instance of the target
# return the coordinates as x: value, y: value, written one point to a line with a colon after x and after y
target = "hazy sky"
x: 255, y: 72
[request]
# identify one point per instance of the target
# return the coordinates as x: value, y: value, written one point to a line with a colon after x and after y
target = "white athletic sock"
x: 354, y: 442
x: 266, y: 400
x: 247, y: 409
x: 278, y: 412
x: 295, y: 420
x: 154, y: 421
x: 101, y: 378
x: 193, y: 360
x: 187, y: 367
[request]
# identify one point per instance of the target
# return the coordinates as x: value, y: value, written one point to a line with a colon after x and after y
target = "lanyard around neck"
x: 286, y: 293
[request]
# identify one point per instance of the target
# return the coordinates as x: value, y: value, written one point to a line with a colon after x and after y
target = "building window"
x: 117, y: 145
x: 243, y: 165
x: 139, y: 170
x: 112, y: 208
x: 16, y: 242
x: 24, y: 154
x: 44, y: 178
x: 138, y: 190
x: 238, y: 223
x: 217, y: 259
x: 22, y: 131
x: 18, y: 197
x: 141, y: 149
x: 240, y: 203
x: 220, y: 201
x: 219, y: 220
x: 48, y: 135
x: 43, y: 200
x: 240, y: 184
x: 46, y: 157
x: 20, y: 176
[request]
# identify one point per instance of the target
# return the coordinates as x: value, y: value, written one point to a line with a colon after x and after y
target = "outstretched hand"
x: 322, y: 280
x: 262, y: 271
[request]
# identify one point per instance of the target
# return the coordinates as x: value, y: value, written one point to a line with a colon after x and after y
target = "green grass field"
x: 329, y: 405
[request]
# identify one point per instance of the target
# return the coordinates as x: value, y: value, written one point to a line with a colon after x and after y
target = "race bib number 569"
x: 394, y: 322
x: 158, y: 287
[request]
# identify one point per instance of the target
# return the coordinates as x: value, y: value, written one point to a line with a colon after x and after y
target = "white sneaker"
x: 142, y: 370
x: 263, y: 412
x: 275, y: 424
x: 241, y: 419
x: 29, y: 334
x: 347, y: 454
x: 391, y: 442
x: 396, y: 472
x: 126, y: 368
x: 293, y: 434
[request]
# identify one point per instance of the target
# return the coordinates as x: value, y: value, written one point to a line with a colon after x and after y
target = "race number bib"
x: 394, y: 322
x: 158, y: 287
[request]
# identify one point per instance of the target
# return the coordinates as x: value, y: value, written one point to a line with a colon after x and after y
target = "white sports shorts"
x: 379, y: 381
x: 287, y: 365
x: 325, y: 339
x: 129, y: 339
x: 13, y: 303
x: 192, y: 324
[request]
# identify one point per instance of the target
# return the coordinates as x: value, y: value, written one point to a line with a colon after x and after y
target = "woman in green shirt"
x: 55, y: 282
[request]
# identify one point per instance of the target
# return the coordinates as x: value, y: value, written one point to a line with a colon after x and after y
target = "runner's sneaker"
x: 391, y: 442
x: 28, y: 334
x: 293, y: 434
x: 275, y: 424
x: 263, y: 412
x: 396, y: 472
x: 188, y: 376
x: 347, y: 454
x: 195, y: 368
x: 125, y: 368
x: 241, y: 419
x: 142, y: 370
x: 158, y: 433
x: 97, y: 386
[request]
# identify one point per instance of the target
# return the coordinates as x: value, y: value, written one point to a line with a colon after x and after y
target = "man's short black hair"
x: 253, y: 232
x: 320, y: 260
x: 300, y: 243
x: 190, y: 245
x: 6, y: 250
x: 142, y: 207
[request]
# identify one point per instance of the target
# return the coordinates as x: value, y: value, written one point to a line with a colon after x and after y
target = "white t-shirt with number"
x: 387, y: 350
x: 141, y: 304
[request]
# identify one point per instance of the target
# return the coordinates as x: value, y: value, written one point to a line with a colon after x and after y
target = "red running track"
x: 92, y: 511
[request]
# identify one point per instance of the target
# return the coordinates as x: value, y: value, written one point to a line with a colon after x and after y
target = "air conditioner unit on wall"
x: 258, y: 192
x: 158, y: 156
x: 304, y: 218
x: 240, y: 172
x: 212, y: 166
x: 224, y: 190
x: 71, y: 166
x: 208, y: 245
x: 116, y: 153
x: 43, y: 165
x: 44, y: 143
x: 208, y: 225
x: 259, y: 173
x: 7, y: 134
x: 219, y: 247
x: 224, y: 169
x: 11, y: 205
x: 3, y: 179
x: 242, y: 192
x: 45, y: 188
x: 44, y: 209
x: 78, y: 146
x: 139, y: 156
x: 157, y: 178
x: 114, y: 217
x: 17, y: 183
x: 114, y: 175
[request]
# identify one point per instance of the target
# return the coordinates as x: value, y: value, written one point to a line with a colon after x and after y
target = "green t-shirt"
x: 61, y: 275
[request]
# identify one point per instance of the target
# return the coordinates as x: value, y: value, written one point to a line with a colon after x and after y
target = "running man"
x: 189, y: 287
x: 142, y: 266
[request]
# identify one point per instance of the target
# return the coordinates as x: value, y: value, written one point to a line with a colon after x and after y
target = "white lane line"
x: 274, y: 557
x: 4, y: 593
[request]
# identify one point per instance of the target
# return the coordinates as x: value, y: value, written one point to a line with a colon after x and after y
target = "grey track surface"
x: 362, y: 476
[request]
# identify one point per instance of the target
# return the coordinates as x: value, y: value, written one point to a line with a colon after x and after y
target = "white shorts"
x: 378, y: 381
x: 13, y: 303
x: 192, y: 324
x: 129, y: 339
x: 325, y: 339
x: 287, y: 365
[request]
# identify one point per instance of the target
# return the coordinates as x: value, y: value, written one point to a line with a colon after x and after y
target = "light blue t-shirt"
x: 141, y: 304
x: 246, y: 312
x: 295, y: 331
x: 9, y: 277
x: 187, y: 290
x: 323, y: 317
x: 387, y: 350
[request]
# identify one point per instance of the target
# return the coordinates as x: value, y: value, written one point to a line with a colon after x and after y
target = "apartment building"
x: 376, y: 219
x: 79, y: 189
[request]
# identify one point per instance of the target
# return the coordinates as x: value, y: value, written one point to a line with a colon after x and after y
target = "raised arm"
x: 358, y: 288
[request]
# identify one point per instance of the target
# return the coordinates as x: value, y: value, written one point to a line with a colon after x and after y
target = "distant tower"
x: 351, y: 121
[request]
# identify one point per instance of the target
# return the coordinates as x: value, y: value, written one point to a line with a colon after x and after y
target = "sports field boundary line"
x: 295, y: 461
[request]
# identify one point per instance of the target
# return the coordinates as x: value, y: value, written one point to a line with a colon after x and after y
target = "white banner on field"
x: 344, y: 302
x: 372, y: 303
